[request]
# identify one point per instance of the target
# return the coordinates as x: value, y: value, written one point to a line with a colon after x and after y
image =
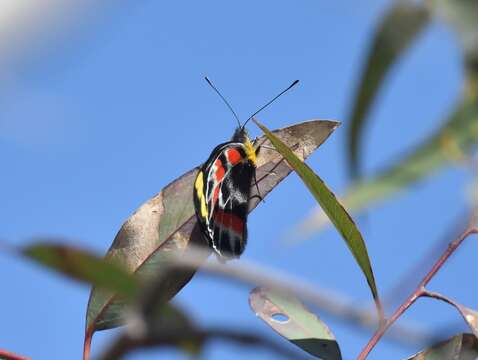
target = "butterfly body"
x: 222, y: 192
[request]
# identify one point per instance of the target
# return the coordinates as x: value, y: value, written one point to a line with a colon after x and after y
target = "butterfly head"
x: 241, y: 135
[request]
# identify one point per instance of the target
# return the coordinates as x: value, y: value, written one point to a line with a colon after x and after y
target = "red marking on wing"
x: 229, y: 221
x: 233, y: 156
x: 219, y: 170
x: 215, y: 195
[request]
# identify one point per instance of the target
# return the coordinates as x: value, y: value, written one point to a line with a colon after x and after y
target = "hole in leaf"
x: 280, y: 318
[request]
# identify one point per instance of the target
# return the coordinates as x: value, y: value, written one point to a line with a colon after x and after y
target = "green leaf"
x: 398, y: 29
x: 331, y: 206
x: 459, y: 347
x: 445, y: 147
x: 292, y: 320
x: 84, y: 266
x: 166, y: 225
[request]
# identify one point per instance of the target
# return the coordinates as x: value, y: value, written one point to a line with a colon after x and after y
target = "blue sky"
x: 95, y: 123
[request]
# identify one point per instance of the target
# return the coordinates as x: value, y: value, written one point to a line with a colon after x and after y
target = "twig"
x: 402, y: 287
x: 7, y: 355
x: 419, y: 291
x: 125, y: 344
x: 435, y: 295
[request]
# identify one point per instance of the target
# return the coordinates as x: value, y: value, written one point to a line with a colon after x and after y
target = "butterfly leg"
x: 257, y: 196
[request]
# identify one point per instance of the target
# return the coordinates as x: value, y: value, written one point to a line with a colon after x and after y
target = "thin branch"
x: 126, y: 344
x: 419, y: 291
x: 402, y: 287
x: 438, y: 296
x: 7, y: 355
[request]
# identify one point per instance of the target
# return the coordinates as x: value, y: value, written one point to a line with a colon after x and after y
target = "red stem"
x: 11, y: 356
x: 419, y: 291
x: 87, y: 343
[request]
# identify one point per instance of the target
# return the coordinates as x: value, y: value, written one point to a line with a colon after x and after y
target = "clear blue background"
x: 93, y: 125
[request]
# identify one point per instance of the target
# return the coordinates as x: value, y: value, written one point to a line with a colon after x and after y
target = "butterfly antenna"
x: 270, y: 102
x: 223, y: 99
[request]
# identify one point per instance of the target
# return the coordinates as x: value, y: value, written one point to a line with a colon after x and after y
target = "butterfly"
x: 221, y: 194
x: 222, y: 189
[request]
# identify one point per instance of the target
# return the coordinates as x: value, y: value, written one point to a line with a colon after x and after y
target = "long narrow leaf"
x: 331, y: 206
x: 397, y: 31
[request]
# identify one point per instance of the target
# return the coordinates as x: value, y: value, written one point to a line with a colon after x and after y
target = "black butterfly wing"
x: 229, y: 218
x: 221, y: 196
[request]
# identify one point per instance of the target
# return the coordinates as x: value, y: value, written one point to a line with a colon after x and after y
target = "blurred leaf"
x: 398, y: 29
x: 161, y: 325
x: 84, y: 266
x: 446, y: 146
x: 168, y: 318
x: 298, y: 325
x: 461, y: 15
x: 470, y: 316
x: 161, y: 319
x: 459, y: 347
x: 166, y: 225
x: 334, y: 210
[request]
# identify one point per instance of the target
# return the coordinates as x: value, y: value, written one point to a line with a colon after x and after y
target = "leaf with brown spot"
x: 167, y: 224
x: 292, y: 320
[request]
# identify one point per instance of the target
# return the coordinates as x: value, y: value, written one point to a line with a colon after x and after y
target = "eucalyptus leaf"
x: 166, y: 225
x: 332, y: 207
x: 399, y: 27
x: 292, y: 320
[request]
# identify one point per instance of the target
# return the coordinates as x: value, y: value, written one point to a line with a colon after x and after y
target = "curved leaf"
x: 334, y: 210
x: 298, y: 325
x: 166, y: 224
x: 398, y: 29
x: 84, y: 266
x: 459, y: 347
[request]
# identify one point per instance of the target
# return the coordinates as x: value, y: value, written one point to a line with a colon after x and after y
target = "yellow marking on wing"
x: 199, y: 186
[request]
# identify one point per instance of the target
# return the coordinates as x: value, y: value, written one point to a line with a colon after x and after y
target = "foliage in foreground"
x: 167, y: 243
